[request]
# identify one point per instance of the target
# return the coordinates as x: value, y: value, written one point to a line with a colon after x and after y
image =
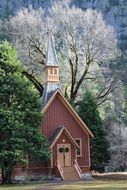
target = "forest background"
x: 110, y: 88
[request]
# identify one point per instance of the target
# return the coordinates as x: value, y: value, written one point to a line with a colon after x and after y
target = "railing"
x: 60, y: 169
x: 53, y: 78
x: 78, y: 168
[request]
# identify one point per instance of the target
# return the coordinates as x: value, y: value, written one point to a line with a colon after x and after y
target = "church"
x: 68, y: 136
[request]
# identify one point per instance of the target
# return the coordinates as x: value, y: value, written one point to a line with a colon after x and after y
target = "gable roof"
x: 69, y: 108
x: 58, y: 132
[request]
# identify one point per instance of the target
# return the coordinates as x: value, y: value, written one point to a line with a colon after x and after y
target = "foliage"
x: 78, y: 35
x: 88, y: 111
x: 83, y: 40
x: 115, y: 124
x: 19, y: 116
x: 119, y: 67
x: 117, y: 135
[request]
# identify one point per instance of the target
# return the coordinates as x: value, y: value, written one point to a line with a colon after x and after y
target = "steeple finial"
x: 51, y: 58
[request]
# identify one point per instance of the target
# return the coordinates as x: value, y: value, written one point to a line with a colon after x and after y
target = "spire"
x: 51, y: 58
x: 52, y: 71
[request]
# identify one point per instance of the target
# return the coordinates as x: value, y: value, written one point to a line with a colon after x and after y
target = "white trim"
x: 68, y: 134
x: 75, y: 154
x: 80, y: 147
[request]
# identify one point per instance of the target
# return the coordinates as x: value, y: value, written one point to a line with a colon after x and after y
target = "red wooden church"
x: 68, y: 136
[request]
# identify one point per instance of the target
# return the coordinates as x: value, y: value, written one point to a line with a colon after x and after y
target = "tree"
x: 27, y: 31
x: 117, y: 135
x: 115, y: 124
x: 83, y: 40
x: 87, y: 109
x: 20, y: 116
x: 119, y: 67
x: 86, y: 42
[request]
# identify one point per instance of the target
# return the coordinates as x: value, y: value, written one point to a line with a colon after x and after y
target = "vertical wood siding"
x: 57, y: 115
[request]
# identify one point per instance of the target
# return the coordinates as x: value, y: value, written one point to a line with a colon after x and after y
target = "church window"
x: 55, y: 71
x: 79, y: 150
x: 51, y: 71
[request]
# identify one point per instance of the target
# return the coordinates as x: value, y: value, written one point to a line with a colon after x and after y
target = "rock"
x: 87, y: 176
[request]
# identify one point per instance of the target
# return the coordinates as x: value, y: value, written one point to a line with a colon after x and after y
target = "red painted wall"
x: 58, y: 115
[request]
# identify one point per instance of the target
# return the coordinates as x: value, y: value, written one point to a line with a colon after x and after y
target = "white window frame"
x: 79, y: 139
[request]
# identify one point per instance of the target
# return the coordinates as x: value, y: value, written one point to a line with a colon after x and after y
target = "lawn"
x: 94, y: 185
x: 19, y: 187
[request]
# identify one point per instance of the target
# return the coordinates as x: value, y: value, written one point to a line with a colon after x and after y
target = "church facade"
x: 68, y: 136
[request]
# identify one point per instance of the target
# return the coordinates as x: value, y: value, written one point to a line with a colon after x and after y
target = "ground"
x: 93, y: 185
x: 116, y: 181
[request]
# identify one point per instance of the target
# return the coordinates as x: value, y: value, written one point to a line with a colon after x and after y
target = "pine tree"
x: 89, y: 113
x: 20, y: 116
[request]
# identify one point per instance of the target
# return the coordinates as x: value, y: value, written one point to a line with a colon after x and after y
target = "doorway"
x: 64, y: 154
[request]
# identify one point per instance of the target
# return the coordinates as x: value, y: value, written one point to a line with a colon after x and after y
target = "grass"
x: 96, y: 185
x: 93, y: 185
x: 19, y: 187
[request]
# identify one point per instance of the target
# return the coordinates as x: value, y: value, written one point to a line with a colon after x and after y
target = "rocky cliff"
x: 115, y: 13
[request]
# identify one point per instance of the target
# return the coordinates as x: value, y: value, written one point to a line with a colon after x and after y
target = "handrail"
x: 60, y: 169
x: 78, y: 168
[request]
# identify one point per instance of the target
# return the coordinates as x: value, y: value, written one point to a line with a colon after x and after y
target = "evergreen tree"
x: 87, y: 109
x: 20, y: 116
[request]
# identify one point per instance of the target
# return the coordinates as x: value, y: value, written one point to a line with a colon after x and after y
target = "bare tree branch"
x: 107, y: 90
x: 36, y: 83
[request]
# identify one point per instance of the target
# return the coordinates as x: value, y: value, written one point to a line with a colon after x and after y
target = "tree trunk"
x: 6, y: 173
x: 2, y: 172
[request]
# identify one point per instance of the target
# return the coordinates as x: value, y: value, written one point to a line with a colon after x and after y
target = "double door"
x: 64, y: 154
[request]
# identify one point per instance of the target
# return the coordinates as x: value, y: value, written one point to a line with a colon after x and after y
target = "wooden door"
x: 64, y: 154
x: 60, y: 155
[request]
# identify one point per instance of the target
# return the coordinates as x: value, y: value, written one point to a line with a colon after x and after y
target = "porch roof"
x: 58, y: 132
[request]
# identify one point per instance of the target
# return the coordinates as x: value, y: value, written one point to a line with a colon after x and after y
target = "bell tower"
x: 52, y: 74
x: 51, y: 66
x: 51, y: 71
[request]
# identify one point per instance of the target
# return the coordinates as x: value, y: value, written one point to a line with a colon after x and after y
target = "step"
x: 70, y: 173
